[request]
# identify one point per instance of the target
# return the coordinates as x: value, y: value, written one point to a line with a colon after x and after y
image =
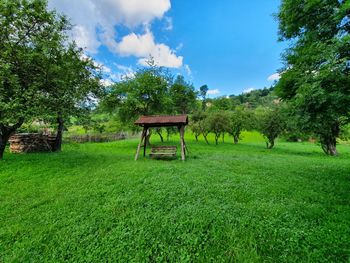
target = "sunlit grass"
x: 244, y: 203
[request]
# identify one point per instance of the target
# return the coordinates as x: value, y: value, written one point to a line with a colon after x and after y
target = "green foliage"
x: 316, y: 79
x: 42, y: 75
x: 71, y: 84
x: 270, y: 122
x: 146, y: 93
x: 27, y: 32
x: 203, y: 94
x: 93, y: 202
x: 218, y: 123
x: 199, y: 125
x: 183, y: 96
x: 240, y: 119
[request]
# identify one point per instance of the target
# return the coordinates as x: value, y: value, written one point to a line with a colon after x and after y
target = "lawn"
x: 242, y: 203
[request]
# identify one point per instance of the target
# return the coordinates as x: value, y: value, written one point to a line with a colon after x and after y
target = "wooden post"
x: 145, y: 142
x: 182, y: 132
x: 139, y: 147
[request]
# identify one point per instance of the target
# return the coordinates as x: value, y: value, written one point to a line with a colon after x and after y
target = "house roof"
x: 162, y: 120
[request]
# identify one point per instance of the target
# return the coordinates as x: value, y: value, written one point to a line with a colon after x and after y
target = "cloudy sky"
x: 230, y: 45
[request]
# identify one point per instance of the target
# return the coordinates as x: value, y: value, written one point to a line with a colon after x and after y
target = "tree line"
x: 45, y: 77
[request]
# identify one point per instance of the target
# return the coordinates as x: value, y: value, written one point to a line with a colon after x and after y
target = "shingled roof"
x: 161, y: 120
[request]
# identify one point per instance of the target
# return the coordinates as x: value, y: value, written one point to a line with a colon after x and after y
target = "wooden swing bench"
x: 163, y: 151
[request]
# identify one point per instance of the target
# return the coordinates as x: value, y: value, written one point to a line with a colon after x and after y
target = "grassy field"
x: 226, y: 203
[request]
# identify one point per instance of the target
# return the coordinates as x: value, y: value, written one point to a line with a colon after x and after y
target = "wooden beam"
x: 145, y: 143
x: 182, y: 134
x: 139, y: 146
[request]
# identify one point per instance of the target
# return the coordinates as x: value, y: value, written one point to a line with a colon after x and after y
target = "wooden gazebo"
x: 148, y: 122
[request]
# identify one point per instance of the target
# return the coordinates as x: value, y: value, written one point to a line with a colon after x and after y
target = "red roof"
x: 157, y: 121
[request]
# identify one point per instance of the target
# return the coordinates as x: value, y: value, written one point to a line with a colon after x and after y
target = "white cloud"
x: 95, y: 21
x: 144, y: 46
x: 179, y: 47
x: 125, y: 72
x: 274, y: 77
x: 106, y: 82
x: 168, y: 23
x: 188, y: 70
x: 248, y: 90
x: 213, y: 92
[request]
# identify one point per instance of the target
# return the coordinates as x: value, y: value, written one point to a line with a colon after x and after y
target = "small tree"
x: 270, y: 123
x: 238, y: 122
x: 199, y: 125
x: 218, y: 123
x: 196, y: 129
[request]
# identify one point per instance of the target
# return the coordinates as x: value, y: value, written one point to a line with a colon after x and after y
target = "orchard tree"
x: 199, y: 125
x: 71, y: 86
x: 27, y: 29
x: 239, y: 120
x: 316, y: 78
x: 144, y: 93
x: 270, y: 122
x: 218, y: 123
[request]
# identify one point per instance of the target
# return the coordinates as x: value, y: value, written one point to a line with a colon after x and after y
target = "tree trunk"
x: 3, y: 141
x: 235, y: 139
x: 216, y: 139
x: 270, y: 144
x: 223, y: 138
x: 5, y: 134
x: 196, y: 137
x: 59, y: 135
x: 329, y: 146
x: 160, y: 135
x: 205, y: 138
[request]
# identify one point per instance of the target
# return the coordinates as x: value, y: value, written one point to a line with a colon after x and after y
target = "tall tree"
x: 183, y: 96
x: 203, y: 90
x: 27, y: 28
x: 145, y: 93
x: 316, y: 76
x: 70, y: 86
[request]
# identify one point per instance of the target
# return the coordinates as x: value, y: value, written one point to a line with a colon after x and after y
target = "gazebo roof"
x: 162, y: 120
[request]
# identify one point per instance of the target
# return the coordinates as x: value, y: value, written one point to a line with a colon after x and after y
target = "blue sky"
x: 229, y: 45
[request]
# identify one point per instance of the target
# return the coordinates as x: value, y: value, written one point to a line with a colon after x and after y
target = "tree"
x: 196, y: 129
x: 218, y: 123
x: 71, y: 86
x: 270, y: 123
x: 27, y: 28
x: 316, y: 78
x: 199, y: 125
x: 183, y: 96
x: 203, y: 94
x: 145, y: 93
x: 239, y: 119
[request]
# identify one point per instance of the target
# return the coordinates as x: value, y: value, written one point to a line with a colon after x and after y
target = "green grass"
x: 226, y: 203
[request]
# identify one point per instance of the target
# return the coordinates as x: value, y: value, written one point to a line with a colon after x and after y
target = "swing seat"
x: 163, y: 151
